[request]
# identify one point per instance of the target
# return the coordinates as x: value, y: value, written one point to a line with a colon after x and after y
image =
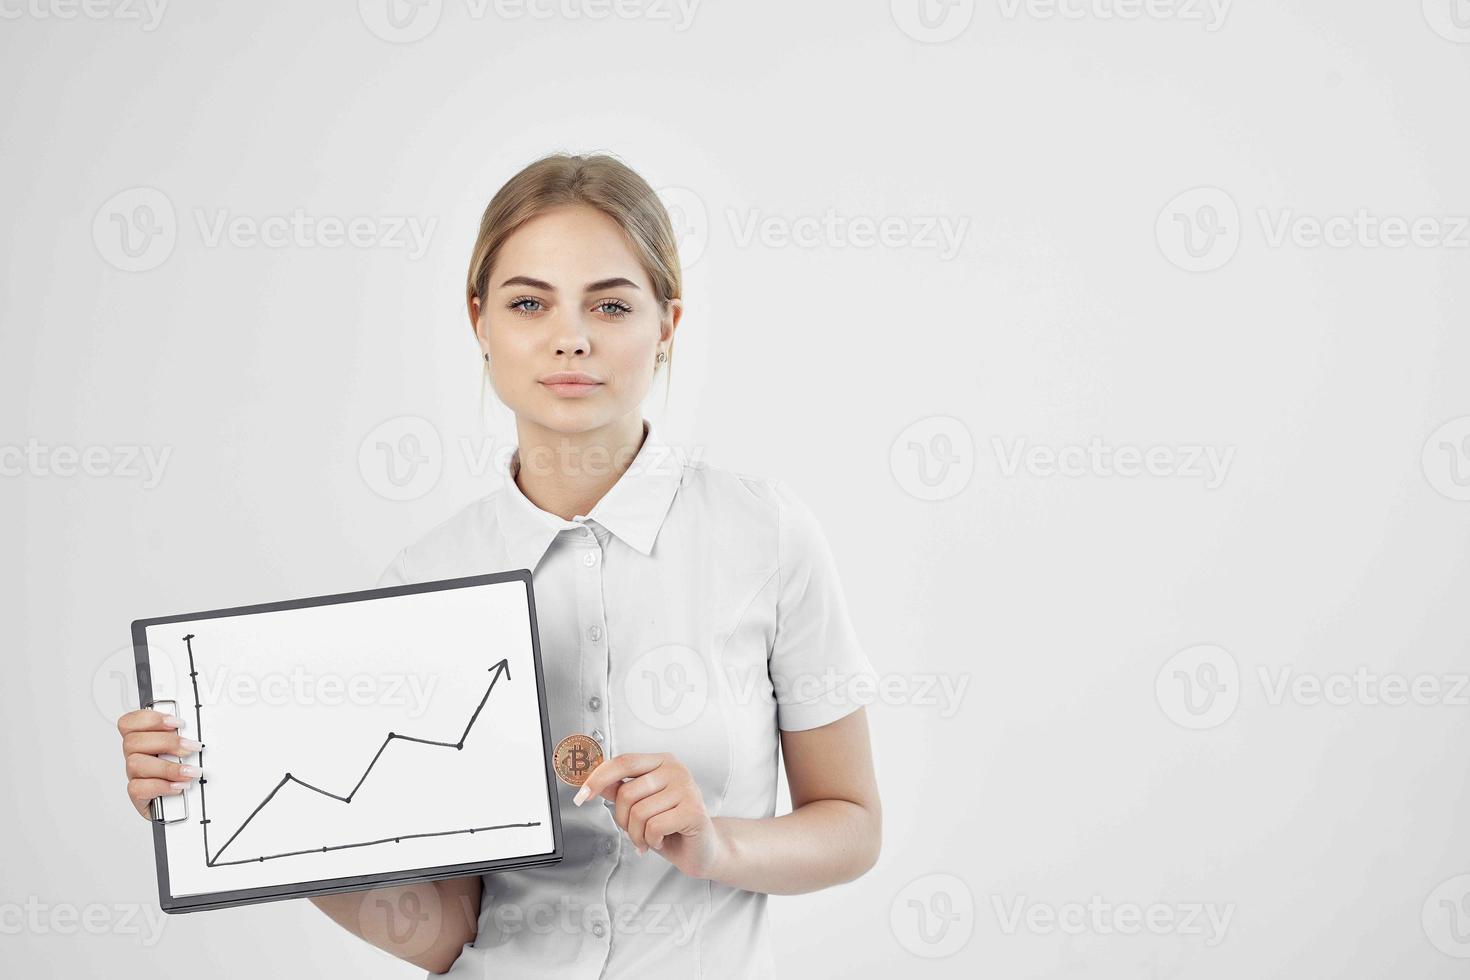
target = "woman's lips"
x: 575, y: 389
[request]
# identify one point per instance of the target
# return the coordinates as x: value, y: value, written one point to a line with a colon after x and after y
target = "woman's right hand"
x: 147, y: 734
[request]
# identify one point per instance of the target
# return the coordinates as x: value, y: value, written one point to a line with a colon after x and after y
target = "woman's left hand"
x: 659, y: 807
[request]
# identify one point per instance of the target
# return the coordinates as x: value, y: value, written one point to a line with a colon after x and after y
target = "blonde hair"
x: 597, y: 180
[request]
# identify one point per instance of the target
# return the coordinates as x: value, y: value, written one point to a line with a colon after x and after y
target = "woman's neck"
x: 567, y: 473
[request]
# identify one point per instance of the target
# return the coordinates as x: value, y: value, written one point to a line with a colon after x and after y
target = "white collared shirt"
x: 695, y: 611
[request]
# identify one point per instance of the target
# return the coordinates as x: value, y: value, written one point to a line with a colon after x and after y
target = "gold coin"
x: 575, y: 758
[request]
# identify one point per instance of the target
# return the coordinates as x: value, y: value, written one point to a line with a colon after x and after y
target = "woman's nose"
x: 570, y: 337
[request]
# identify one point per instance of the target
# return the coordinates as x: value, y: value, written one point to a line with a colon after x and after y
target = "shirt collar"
x: 633, y: 509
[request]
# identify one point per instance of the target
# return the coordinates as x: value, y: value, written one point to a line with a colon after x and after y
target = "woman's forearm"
x: 426, y: 923
x: 824, y: 843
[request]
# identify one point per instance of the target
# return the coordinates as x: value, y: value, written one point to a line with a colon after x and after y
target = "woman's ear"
x: 481, y: 327
x: 673, y: 311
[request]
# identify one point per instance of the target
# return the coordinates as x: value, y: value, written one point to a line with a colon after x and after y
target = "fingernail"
x: 640, y: 850
x: 173, y: 721
x: 189, y: 745
x: 177, y: 787
x: 581, y: 796
x: 189, y: 771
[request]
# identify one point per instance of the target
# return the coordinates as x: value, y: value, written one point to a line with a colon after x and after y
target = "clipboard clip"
x: 158, y: 806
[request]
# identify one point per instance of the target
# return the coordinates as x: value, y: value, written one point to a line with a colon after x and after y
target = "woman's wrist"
x: 724, y: 865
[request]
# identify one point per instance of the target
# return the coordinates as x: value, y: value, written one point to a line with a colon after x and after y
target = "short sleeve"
x: 818, y: 668
x: 396, y: 573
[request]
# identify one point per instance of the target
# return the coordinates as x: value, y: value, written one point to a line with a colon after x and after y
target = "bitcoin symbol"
x: 575, y: 758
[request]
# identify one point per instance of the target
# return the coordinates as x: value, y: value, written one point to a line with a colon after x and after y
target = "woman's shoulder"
x: 469, y: 519
x: 716, y: 484
x: 446, y: 543
x: 768, y: 499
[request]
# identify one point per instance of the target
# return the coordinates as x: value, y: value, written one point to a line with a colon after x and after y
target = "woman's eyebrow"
x: 612, y: 283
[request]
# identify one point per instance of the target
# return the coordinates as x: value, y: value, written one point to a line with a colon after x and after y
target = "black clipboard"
x: 162, y: 814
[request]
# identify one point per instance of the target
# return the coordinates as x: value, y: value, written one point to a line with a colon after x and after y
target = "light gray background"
x: 1075, y: 151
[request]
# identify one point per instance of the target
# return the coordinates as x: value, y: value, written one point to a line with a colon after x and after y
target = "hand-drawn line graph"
x: 497, y: 671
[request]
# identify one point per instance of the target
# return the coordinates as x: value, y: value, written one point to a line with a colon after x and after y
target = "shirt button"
x: 589, y: 559
x: 597, y: 929
x: 594, y: 702
x: 594, y: 633
x: 607, y: 846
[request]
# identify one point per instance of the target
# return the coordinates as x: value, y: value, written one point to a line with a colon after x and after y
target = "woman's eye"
x: 518, y: 305
x: 614, y: 308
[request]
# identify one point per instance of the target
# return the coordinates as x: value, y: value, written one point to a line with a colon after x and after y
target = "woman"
x: 688, y: 615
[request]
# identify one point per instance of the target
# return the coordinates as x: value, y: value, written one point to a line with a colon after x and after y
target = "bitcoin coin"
x: 575, y: 758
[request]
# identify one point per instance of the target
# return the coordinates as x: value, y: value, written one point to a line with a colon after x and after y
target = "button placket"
x: 594, y: 653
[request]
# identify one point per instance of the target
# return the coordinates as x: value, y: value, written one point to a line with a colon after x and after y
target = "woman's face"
x: 567, y: 299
